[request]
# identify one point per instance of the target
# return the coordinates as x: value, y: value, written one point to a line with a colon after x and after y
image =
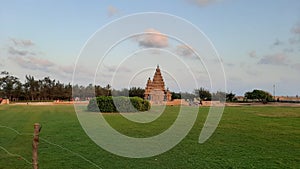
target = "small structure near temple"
x: 155, y: 90
x: 4, y: 101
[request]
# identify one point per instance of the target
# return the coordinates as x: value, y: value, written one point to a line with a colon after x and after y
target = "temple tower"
x: 155, y: 90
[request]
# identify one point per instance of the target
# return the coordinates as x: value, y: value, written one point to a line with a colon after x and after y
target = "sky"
x: 257, y: 41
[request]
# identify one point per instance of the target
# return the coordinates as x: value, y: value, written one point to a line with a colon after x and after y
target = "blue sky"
x: 258, y: 41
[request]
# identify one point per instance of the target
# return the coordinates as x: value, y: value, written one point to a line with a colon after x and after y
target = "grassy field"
x: 247, y: 137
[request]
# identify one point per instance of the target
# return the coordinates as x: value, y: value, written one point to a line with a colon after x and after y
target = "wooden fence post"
x: 35, y: 144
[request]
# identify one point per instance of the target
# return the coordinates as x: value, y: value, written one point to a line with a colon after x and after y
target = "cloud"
x: 24, y: 56
x: 230, y: 64
x: 68, y: 69
x: 296, y: 32
x: 252, y: 54
x: 152, y: 39
x: 45, y: 65
x: 277, y: 43
x: 252, y: 72
x: 33, y: 63
x: 296, y: 29
x: 185, y: 50
x: 113, y: 68
x: 22, y: 42
x: 14, y: 51
x: 111, y: 11
x: 274, y: 59
x: 40, y: 61
x: 22, y: 53
x: 20, y: 47
x: 294, y: 40
x: 296, y: 66
x: 242, y: 64
x: 202, y: 3
x: 288, y: 50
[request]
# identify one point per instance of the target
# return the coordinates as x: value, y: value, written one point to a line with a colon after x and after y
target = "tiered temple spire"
x: 155, y: 90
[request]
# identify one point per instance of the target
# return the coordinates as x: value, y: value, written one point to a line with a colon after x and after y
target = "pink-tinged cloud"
x: 111, y: 11
x: 274, y: 59
x: 296, y: 29
x: 252, y: 54
x: 152, y: 39
x: 40, y: 61
x: 68, y: 69
x: 203, y: 3
x: 33, y: 63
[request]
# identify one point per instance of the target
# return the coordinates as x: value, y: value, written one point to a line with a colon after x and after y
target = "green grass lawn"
x: 247, y: 137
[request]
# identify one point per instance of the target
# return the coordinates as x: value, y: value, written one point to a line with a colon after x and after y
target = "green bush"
x: 118, y: 104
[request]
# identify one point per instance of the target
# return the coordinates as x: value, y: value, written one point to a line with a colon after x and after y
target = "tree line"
x: 205, y: 95
x: 47, y: 89
x: 33, y: 89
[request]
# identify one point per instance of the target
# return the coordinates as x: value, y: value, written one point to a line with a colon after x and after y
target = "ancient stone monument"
x: 155, y: 90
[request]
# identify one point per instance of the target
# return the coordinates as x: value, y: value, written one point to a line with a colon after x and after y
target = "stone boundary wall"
x: 5, y: 101
x: 177, y: 102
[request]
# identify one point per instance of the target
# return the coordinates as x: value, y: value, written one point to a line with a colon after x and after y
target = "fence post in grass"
x: 35, y: 144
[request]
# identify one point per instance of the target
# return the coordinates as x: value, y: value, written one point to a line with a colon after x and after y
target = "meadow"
x: 247, y: 137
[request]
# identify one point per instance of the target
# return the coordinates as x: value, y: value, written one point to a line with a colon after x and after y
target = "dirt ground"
x: 261, y: 104
x: 226, y: 104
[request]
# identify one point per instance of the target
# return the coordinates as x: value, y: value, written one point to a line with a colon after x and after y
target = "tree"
x: 46, y: 88
x: 100, y: 91
x: 219, y: 96
x: 32, y: 87
x: 187, y: 95
x: 90, y: 91
x: 203, y: 94
x: 123, y: 92
x: 77, y: 91
x: 108, y: 90
x: 230, y: 97
x: 4, y: 73
x: 18, y: 92
x: 176, y: 95
x: 68, y: 92
x: 58, y: 91
x: 8, y: 84
x: 136, y: 91
x: 259, y: 95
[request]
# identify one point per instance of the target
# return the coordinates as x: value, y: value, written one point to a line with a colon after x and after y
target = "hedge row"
x: 118, y: 104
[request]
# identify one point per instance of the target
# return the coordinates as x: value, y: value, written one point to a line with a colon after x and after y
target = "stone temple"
x: 155, y: 90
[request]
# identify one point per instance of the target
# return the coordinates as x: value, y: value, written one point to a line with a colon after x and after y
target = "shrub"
x: 146, y: 105
x: 118, y: 104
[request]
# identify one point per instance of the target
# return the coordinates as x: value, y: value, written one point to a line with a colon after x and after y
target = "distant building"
x: 155, y: 90
x: 287, y: 98
x: 240, y: 98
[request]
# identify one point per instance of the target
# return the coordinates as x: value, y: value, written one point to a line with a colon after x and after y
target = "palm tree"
x: 8, y: 84
x: 32, y: 86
